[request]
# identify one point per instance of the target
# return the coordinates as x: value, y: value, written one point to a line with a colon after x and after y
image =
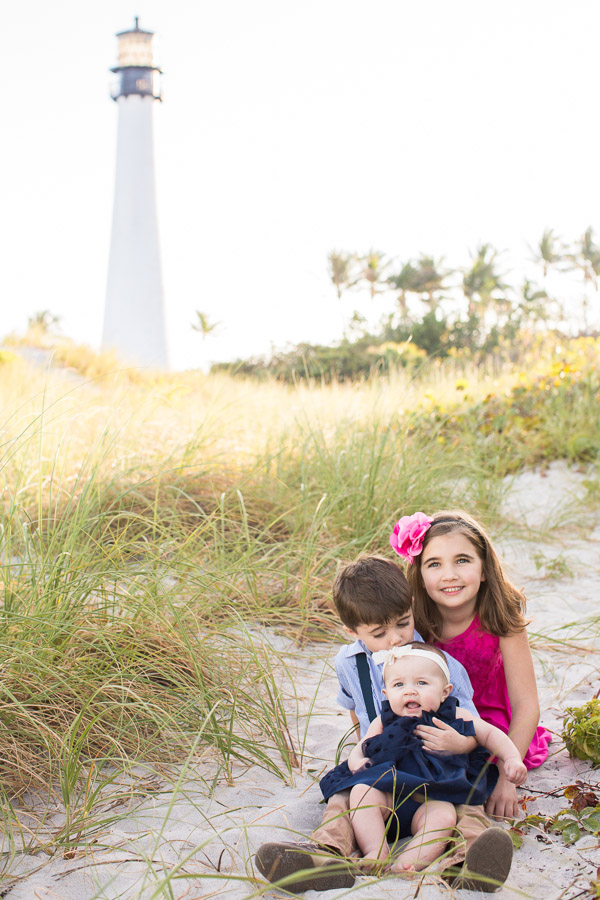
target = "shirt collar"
x: 358, y: 647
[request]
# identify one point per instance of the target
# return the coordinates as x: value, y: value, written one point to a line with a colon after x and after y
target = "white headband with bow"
x: 389, y: 656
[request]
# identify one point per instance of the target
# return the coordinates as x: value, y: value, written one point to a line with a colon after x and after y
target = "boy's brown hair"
x: 371, y: 591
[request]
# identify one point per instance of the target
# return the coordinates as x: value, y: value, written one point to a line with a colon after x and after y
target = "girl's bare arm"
x: 500, y: 745
x: 522, y: 693
x: 522, y: 689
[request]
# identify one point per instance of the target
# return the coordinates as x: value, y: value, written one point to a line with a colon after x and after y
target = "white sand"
x: 204, y: 837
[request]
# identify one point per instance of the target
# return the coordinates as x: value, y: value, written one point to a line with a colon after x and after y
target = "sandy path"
x: 205, y: 838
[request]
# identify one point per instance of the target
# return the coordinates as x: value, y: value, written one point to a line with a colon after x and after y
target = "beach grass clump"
x: 109, y: 637
x: 129, y: 678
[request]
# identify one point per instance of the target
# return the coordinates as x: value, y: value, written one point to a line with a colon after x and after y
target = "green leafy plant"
x: 583, y: 816
x: 581, y: 731
x: 571, y: 823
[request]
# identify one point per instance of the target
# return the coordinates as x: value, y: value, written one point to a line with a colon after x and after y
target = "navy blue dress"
x: 399, y: 765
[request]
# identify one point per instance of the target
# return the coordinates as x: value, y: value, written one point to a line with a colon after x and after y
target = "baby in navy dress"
x: 389, y: 772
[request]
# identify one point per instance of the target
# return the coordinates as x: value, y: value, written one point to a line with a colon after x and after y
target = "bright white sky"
x: 287, y: 130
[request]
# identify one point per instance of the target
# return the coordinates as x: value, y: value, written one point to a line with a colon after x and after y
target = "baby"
x: 389, y: 772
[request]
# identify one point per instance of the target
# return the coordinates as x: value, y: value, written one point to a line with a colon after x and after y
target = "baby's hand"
x: 358, y: 763
x: 514, y: 770
x: 444, y: 739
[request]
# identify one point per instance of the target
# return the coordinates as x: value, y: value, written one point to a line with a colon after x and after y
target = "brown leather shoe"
x: 487, y: 862
x: 315, y: 870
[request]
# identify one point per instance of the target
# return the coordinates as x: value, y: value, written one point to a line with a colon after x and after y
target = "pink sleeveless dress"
x: 479, y: 652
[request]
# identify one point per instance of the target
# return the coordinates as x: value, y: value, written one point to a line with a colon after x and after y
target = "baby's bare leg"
x: 371, y: 810
x: 432, y: 826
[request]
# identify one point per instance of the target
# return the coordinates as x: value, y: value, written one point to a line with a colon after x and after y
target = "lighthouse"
x: 134, y: 316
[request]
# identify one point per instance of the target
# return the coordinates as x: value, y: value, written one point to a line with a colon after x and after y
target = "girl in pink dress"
x: 464, y: 605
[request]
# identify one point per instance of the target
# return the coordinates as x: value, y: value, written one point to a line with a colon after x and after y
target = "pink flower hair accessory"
x: 407, y: 536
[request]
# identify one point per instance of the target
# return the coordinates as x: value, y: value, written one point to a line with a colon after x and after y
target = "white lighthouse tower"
x: 134, y: 319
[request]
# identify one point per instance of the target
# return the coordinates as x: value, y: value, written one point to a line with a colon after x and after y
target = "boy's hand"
x: 444, y: 739
x: 514, y: 770
x: 502, y: 803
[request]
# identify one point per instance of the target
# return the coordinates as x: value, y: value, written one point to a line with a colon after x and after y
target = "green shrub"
x: 581, y: 731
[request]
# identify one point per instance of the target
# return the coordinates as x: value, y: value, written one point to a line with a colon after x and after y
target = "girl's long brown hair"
x: 500, y: 606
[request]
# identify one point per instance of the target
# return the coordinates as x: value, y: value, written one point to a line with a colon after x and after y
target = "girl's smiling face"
x: 414, y: 684
x: 452, y: 572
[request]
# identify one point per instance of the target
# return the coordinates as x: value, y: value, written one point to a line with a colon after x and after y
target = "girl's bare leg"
x: 432, y: 826
x: 371, y: 810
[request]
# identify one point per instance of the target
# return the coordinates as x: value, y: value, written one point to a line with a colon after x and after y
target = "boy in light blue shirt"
x: 374, y: 603
x: 350, y: 694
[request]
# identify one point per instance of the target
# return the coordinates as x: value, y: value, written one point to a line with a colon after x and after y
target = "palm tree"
x: 342, y: 270
x: 590, y: 252
x: 203, y: 325
x: 482, y: 282
x: 548, y: 251
x: 535, y: 305
x: 586, y: 258
x: 373, y: 266
x: 405, y: 282
x: 429, y: 280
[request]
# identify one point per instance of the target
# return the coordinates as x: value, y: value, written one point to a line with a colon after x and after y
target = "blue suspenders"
x: 364, y: 676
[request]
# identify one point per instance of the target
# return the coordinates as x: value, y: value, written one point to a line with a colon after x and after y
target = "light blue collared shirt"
x: 350, y: 695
